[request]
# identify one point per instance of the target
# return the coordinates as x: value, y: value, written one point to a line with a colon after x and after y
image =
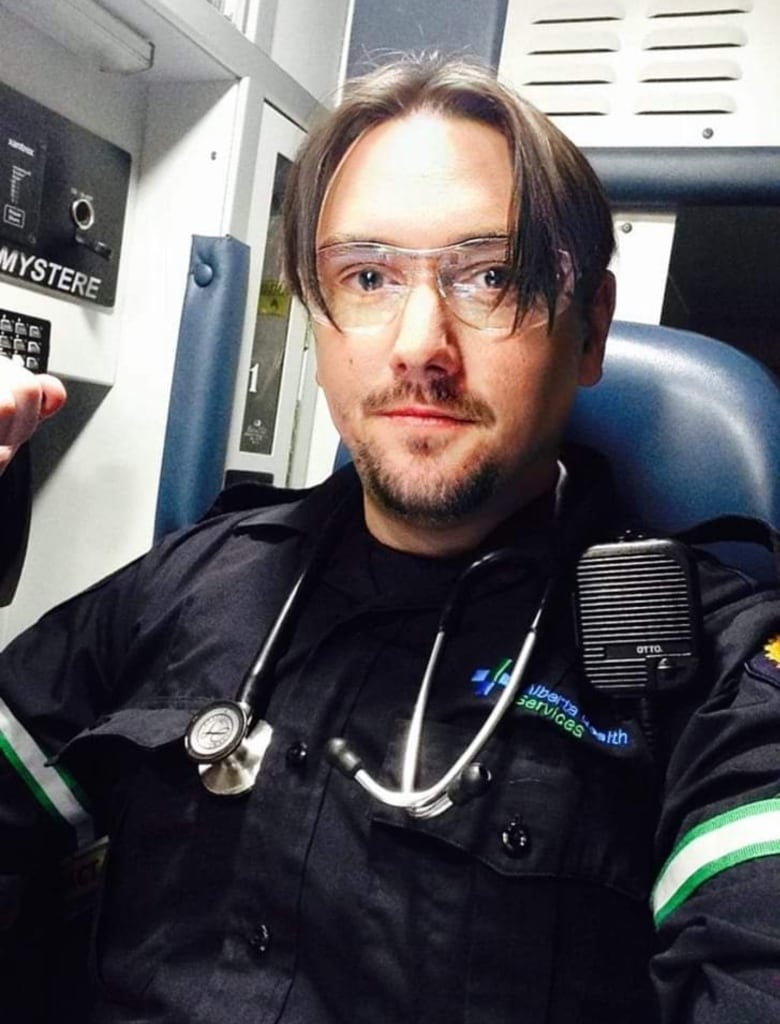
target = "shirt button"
x: 297, y: 754
x: 260, y: 940
x: 516, y: 839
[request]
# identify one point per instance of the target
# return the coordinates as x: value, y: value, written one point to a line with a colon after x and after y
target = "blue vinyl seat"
x: 691, y: 427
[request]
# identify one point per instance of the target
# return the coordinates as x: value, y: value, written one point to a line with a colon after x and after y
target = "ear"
x: 597, y: 319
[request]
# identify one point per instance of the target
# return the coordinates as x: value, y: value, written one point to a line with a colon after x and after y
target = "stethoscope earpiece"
x: 340, y: 755
x: 472, y: 782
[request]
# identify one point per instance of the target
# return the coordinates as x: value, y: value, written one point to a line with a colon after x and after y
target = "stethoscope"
x: 228, y: 741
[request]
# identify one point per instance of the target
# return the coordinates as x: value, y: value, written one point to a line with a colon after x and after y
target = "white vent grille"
x: 649, y: 72
x: 695, y: 37
x: 690, y: 71
x: 684, y: 103
x: 571, y: 73
x: 577, y: 41
x: 696, y: 8
x: 551, y: 12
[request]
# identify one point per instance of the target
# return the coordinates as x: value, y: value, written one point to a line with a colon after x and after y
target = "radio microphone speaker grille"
x: 635, y: 606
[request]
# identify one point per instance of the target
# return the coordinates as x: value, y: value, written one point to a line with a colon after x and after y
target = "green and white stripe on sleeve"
x: 742, y: 834
x: 52, y: 787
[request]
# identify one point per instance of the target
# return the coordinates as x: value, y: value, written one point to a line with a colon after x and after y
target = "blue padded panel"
x: 688, y: 175
x: 692, y: 429
x: 203, y: 381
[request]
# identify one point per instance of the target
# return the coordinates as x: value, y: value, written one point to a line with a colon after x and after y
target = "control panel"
x: 25, y: 339
x: 63, y: 192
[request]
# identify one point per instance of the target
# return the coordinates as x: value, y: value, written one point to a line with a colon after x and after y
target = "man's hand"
x: 26, y: 399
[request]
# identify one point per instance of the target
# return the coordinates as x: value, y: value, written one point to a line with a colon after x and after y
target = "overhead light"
x: 90, y: 31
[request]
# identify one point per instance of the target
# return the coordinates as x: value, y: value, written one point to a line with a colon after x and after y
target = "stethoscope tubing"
x: 233, y: 722
x: 265, y: 659
x: 428, y: 802
x: 225, y: 762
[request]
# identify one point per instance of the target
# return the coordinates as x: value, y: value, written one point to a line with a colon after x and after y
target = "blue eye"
x: 496, y: 277
x: 369, y: 280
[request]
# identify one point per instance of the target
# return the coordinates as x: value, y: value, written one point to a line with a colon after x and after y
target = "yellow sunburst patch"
x: 772, y: 649
x: 765, y: 663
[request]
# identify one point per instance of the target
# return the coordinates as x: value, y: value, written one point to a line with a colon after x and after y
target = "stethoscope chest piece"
x: 216, y: 730
x: 229, y: 755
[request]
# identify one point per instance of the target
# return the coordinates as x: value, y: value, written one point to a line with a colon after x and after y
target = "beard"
x: 439, y: 501
x: 425, y: 493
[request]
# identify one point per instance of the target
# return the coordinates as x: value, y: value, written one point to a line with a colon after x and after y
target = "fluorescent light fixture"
x: 88, y: 30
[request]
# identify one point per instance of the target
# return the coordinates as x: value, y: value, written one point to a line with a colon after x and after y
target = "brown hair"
x: 559, y: 201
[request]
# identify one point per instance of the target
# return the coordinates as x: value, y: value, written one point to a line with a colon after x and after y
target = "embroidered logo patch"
x: 556, y: 707
x: 766, y: 663
x: 486, y: 679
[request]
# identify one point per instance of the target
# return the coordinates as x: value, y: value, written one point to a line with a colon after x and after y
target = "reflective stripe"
x: 733, y: 837
x: 50, y: 787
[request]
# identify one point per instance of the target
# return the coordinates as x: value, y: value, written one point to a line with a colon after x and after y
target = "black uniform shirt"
x: 304, y: 900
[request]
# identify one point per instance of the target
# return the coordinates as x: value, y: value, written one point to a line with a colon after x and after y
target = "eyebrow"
x: 349, y: 239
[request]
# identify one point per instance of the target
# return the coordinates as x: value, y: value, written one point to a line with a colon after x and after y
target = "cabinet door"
x: 273, y: 352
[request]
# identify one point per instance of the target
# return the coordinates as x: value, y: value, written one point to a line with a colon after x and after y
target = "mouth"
x: 425, y: 415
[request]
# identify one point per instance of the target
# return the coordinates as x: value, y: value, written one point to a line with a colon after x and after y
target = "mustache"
x: 439, y: 392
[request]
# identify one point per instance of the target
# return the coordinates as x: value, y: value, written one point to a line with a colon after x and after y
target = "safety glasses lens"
x: 365, y: 285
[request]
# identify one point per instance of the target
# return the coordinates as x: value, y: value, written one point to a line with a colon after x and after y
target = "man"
x: 451, y: 247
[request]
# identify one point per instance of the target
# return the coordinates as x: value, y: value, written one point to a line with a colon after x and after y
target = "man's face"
x: 446, y: 423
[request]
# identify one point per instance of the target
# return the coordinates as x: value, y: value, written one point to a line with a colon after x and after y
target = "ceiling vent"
x: 649, y: 72
x: 575, y: 39
x: 553, y: 12
x: 696, y: 8
x: 695, y: 37
x: 691, y: 71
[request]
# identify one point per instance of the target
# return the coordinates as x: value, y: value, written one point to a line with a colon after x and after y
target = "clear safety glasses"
x: 366, y: 284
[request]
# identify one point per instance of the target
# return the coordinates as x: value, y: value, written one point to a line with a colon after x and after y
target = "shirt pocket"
x: 538, y: 888
x: 171, y: 844
x: 553, y: 809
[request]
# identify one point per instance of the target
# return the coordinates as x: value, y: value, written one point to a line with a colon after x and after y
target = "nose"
x: 424, y: 344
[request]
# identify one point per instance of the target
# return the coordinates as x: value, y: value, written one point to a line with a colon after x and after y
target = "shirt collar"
x: 588, y: 504
x: 298, y: 511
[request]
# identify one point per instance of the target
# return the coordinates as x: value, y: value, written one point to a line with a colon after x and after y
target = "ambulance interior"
x: 197, y: 107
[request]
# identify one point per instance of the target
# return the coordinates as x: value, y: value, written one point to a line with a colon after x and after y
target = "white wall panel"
x: 308, y: 41
x: 95, y: 508
x: 192, y: 127
x: 85, y: 337
x: 641, y: 264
